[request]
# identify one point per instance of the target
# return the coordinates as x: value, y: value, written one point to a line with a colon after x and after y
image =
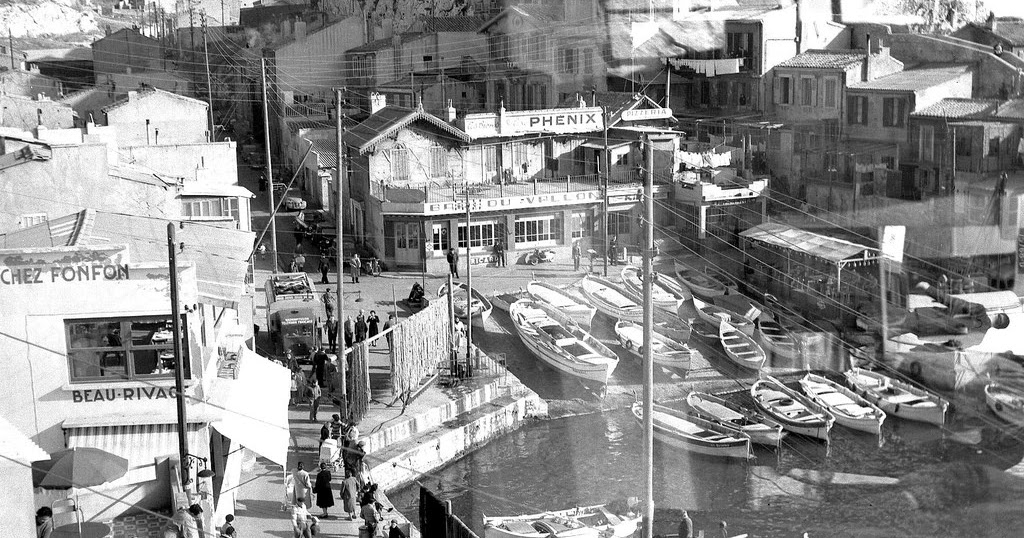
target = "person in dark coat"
x: 322, y: 489
x: 350, y: 329
x: 320, y: 359
x: 576, y: 255
x: 324, y: 268
x: 612, y: 254
x: 373, y: 326
x: 686, y: 526
x: 361, y: 327
x: 453, y: 261
x: 390, y: 323
x: 332, y: 333
x: 394, y: 531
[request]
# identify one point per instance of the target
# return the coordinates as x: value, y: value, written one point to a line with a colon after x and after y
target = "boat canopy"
x: 833, y: 250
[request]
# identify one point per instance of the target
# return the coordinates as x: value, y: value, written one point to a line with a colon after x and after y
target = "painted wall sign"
x: 513, y: 202
x: 646, y: 114
x: 49, y: 274
x: 1020, y: 251
x: 126, y: 394
x: 555, y: 120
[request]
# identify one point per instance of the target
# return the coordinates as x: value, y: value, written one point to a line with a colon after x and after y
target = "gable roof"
x: 452, y: 24
x: 386, y: 42
x: 825, y: 59
x: 326, y: 150
x: 1010, y: 29
x: 1012, y: 109
x: 959, y: 108
x: 542, y: 14
x: 390, y: 120
x: 151, y: 92
x: 126, y: 31
x: 914, y: 79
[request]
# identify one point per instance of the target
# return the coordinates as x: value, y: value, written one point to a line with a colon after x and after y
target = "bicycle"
x: 372, y: 266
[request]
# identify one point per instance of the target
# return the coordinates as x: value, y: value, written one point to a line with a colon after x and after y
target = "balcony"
x: 448, y: 197
x: 725, y: 191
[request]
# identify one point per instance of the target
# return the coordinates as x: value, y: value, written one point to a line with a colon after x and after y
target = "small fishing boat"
x: 1007, y: 403
x: 611, y: 299
x: 849, y: 408
x: 740, y: 348
x: 695, y: 434
x: 558, y: 341
x: 581, y: 522
x: 698, y: 282
x: 666, y: 294
x: 796, y: 412
x: 479, y: 308
x: 776, y: 340
x: 725, y: 279
x: 503, y: 300
x: 567, y: 303
x: 898, y: 398
x: 666, y: 351
x: 713, y: 314
x: 761, y: 429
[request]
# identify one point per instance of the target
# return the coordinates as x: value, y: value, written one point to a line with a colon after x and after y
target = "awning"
x: 830, y: 249
x: 993, y: 301
x: 254, y: 406
x: 16, y: 446
x: 140, y: 444
x: 600, y: 145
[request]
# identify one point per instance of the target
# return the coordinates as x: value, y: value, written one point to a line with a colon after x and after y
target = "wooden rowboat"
x: 761, y: 429
x: 666, y: 294
x: 713, y: 314
x: 796, y: 412
x: 1007, y: 403
x: 689, y: 432
x: 569, y: 304
x: 776, y: 340
x: 611, y: 299
x: 898, y: 398
x: 740, y: 348
x: 849, y: 408
x: 699, y: 283
x: 559, y: 342
x: 725, y: 279
x: 666, y: 351
x: 479, y: 308
x: 580, y: 522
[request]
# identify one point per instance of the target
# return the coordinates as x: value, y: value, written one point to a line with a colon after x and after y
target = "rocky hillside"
x: 47, y: 18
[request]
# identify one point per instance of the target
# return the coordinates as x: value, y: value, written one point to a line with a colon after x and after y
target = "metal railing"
x: 447, y: 191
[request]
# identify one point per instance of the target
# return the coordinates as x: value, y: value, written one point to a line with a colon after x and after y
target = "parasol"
x: 78, y: 467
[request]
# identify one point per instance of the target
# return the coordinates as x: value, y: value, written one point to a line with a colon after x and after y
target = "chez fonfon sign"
x: 54, y: 273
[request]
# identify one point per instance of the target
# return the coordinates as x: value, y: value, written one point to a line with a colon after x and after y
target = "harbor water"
x: 917, y: 480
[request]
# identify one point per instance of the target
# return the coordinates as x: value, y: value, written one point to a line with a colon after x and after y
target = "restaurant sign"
x: 1020, y: 251
x: 49, y: 274
x: 552, y: 121
x: 640, y: 114
x: 122, y: 394
x: 513, y: 202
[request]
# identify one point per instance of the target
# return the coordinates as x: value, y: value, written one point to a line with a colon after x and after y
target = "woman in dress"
x: 373, y: 323
x: 350, y: 495
x: 322, y: 488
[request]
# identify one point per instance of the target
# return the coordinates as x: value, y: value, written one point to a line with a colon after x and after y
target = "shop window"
x: 582, y: 224
x: 535, y: 230
x: 894, y: 111
x: 481, y: 234
x: 619, y: 223
x: 122, y: 349
x: 439, y: 238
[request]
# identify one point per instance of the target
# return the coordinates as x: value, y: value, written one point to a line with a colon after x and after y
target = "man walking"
x: 576, y: 255
x: 324, y: 268
x: 332, y: 333
x: 612, y: 254
x: 390, y: 324
x: 453, y: 262
x: 354, y: 265
x: 350, y: 328
x: 330, y: 301
x: 361, y: 327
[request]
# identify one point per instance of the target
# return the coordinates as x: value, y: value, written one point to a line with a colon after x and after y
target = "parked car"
x: 294, y: 203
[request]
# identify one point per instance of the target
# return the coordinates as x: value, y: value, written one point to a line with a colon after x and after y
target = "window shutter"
x: 814, y: 91
x: 864, y: 110
x: 776, y: 89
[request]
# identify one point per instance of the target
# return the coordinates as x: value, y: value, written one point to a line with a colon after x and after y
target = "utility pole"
x: 339, y: 259
x: 270, y: 169
x: 209, y: 83
x: 179, y: 368
x: 604, y: 189
x: 469, y: 291
x: 223, y: 21
x: 10, y: 46
x: 648, y: 358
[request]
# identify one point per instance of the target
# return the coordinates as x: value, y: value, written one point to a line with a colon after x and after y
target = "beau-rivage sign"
x: 54, y: 273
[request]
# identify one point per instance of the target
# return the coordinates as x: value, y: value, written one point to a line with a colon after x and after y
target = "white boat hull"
x: 741, y: 349
x: 580, y: 522
x: 897, y: 398
x: 662, y: 294
x: 779, y: 344
x: 667, y: 352
x: 794, y: 411
x: 668, y: 429
x: 600, y: 293
x: 592, y: 361
x: 848, y: 408
x: 1006, y: 403
x: 762, y: 430
x: 699, y: 283
x: 477, y: 318
x: 582, y: 314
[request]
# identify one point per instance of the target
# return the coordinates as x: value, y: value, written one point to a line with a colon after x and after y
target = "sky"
x: 1006, y: 7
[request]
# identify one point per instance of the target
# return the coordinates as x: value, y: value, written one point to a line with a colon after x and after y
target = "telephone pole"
x: 209, y: 83
x: 339, y: 258
x: 270, y: 169
x: 179, y: 368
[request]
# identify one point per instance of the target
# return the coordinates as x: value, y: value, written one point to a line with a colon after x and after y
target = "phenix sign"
x: 554, y: 121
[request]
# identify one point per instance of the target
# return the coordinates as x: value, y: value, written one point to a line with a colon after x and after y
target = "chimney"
x: 867, y: 62
x: 377, y: 102
x: 991, y: 22
x: 132, y: 95
x: 451, y: 112
x: 300, y: 30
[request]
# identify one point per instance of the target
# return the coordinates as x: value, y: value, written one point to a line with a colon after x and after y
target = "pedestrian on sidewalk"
x: 324, y: 267
x: 371, y: 516
x: 337, y: 426
x: 330, y: 302
x: 613, y: 255
x: 576, y: 255
x: 315, y: 392
x: 298, y: 384
x: 322, y: 489
x: 301, y: 518
x: 301, y: 485
x: 352, y: 452
x: 332, y: 332
x: 262, y: 251
x: 320, y: 360
x: 293, y: 267
x: 373, y: 326
x: 453, y: 261
x: 686, y: 526
x: 350, y: 328
x: 394, y: 531
x: 354, y: 266
x: 325, y: 432
x: 350, y: 495
x: 228, y: 528
x: 361, y: 327
x: 390, y: 324
x: 300, y: 261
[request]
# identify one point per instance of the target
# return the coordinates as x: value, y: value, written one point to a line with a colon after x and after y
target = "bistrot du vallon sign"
x: 72, y: 273
x: 514, y: 202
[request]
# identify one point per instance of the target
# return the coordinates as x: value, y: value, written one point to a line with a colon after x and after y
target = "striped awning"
x: 143, y: 445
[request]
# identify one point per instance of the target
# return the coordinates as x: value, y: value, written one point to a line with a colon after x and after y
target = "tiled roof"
x: 825, y: 59
x: 914, y: 79
x: 1011, y: 29
x: 58, y: 55
x: 539, y: 14
x: 326, y: 150
x: 388, y: 120
x: 1013, y: 109
x: 452, y: 24
x: 149, y: 92
x: 959, y: 108
x: 384, y: 43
